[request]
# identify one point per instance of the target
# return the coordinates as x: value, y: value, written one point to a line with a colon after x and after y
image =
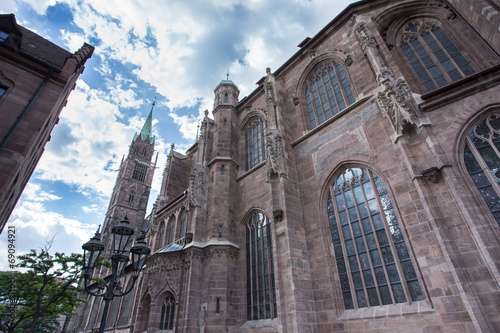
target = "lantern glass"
x: 119, y: 263
x: 121, y: 235
x: 140, y: 252
x: 91, y: 252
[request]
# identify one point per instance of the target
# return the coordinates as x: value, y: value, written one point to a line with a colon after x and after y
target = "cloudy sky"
x: 176, y: 51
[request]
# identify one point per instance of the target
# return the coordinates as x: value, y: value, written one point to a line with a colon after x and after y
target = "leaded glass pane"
x: 261, y: 295
x: 433, y: 56
x: 369, y: 271
x: 482, y: 160
x: 255, y: 141
x: 327, y: 89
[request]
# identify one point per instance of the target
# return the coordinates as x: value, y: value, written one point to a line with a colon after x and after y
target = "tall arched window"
x: 113, y: 312
x: 170, y: 230
x: 261, y: 295
x: 167, y: 313
x: 255, y: 143
x: 327, y: 92
x: 374, y: 269
x: 432, y: 55
x: 182, y: 224
x: 482, y: 160
x: 161, y: 235
x: 126, y: 310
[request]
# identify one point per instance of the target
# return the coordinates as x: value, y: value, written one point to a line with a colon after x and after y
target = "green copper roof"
x: 146, y: 128
x: 227, y: 82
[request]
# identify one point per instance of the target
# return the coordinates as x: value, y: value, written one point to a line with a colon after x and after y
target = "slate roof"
x: 30, y: 45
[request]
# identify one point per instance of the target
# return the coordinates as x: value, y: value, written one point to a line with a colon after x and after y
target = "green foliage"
x: 47, y: 289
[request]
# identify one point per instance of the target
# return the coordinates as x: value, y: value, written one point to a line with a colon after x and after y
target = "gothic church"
x: 356, y: 189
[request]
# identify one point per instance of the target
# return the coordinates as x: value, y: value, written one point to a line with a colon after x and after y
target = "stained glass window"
x: 167, y: 313
x: 432, y: 55
x: 255, y: 143
x: 372, y: 258
x: 327, y: 92
x: 482, y: 160
x: 261, y: 295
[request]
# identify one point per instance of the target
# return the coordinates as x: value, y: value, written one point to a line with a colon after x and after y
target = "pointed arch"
x: 182, y: 224
x: 160, y: 240
x: 423, y: 40
x: 480, y: 155
x: 143, y: 315
x: 373, y: 261
x: 127, y: 305
x: 260, y: 281
x: 167, y: 314
x: 255, y: 142
x: 326, y: 90
x: 170, y: 230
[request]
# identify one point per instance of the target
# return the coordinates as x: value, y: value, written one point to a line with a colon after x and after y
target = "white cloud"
x: 34, y: 192
x: 34, y: 226
x: 91, y: 209
x: 86, y: 142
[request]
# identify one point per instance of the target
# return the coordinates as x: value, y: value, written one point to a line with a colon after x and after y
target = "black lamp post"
x: 93, y: 249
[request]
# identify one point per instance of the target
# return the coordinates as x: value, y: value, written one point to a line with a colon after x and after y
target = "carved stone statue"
x: 275, y: 155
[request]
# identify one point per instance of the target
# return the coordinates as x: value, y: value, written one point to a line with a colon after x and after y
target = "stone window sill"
x: 260, y: 323
x: 394, y: 310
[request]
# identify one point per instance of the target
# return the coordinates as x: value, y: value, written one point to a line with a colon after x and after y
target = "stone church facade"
x: 355, y: 190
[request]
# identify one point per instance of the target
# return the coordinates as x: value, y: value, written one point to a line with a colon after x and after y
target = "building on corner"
x: 36, y: 78
x: 356, y: 189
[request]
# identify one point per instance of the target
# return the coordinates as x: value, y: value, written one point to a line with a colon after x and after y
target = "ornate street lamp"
x: 93, y: 249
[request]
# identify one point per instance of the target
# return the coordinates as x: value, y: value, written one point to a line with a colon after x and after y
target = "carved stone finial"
x: 172, y: 146
x: 397, y: 103
x: 365, y: 38
x: 431, y: 174
x: 206, y: 112
x: 268, y: 70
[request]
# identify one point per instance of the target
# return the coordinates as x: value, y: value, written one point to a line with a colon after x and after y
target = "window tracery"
x: 167, y: 313
x: 139, y: 172
x: 255, y: 143
x: 327, y: 92
x: 373, y: 261
x: 432, y: 55
x: 482, y: 160
x: 261, y: 294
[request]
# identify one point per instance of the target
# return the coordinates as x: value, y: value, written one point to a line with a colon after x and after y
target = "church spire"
x: 147, y: 127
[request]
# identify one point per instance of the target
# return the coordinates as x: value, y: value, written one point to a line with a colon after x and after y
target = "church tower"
x: 133, y: 184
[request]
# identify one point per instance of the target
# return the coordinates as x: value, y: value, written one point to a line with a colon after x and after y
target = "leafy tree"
x: 32, y: 300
